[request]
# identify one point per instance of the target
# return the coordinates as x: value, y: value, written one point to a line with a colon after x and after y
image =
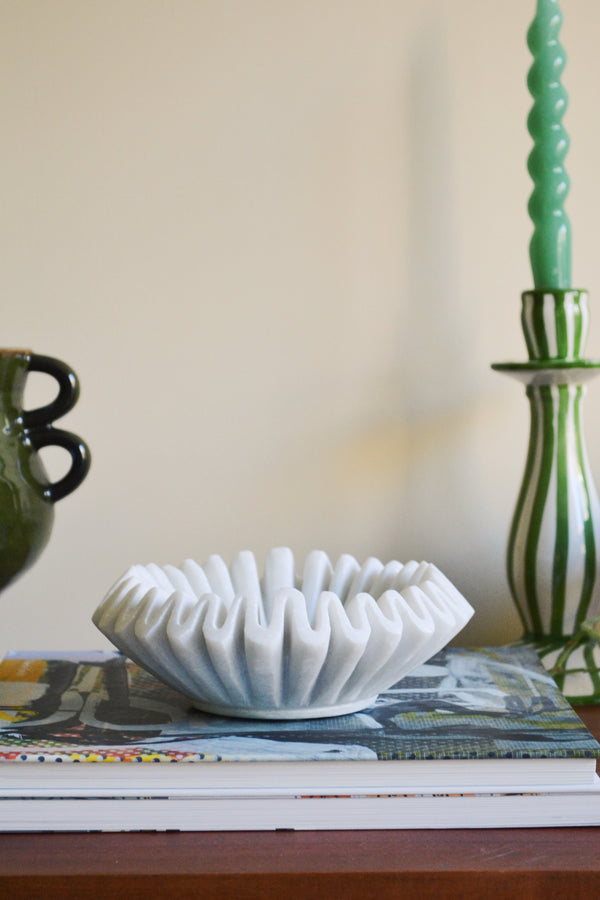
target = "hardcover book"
x: 474, y: 738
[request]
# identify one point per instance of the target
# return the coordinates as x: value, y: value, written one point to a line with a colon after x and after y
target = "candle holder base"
x: 572, y: 660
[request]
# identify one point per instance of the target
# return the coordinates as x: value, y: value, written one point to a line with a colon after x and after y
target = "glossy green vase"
x: 27, y: 496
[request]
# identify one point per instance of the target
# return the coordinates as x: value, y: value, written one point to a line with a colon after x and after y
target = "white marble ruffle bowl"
x: 282, y: 646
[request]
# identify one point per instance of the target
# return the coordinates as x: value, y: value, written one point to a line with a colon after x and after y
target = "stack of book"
x: 473, y: 739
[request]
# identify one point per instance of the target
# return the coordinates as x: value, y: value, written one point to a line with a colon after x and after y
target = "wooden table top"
x: 506, y: 864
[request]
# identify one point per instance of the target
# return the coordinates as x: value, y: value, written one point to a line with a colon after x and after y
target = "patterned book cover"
x: 463, y: 704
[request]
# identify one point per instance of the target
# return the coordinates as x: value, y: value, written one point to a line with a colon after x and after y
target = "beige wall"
x: 280, y: 243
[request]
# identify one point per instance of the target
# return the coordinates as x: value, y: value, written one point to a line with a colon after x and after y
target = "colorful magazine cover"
x: 99, y: 706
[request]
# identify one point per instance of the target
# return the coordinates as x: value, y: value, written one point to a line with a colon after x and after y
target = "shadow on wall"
x: 418, y: 482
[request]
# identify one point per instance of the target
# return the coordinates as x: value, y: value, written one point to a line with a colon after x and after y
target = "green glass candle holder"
x: 553, y: 555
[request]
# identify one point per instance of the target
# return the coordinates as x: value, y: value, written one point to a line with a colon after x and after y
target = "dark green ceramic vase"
x: 27, y: 496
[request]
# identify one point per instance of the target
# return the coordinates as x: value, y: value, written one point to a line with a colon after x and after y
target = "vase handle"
x: 68, y: 391
x: 41, y: 433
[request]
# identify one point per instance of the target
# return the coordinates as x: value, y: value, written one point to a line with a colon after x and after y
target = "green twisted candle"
x: 550, y: 247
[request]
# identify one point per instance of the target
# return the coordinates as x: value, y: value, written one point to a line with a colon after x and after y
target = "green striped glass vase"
x: 553, y: 556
